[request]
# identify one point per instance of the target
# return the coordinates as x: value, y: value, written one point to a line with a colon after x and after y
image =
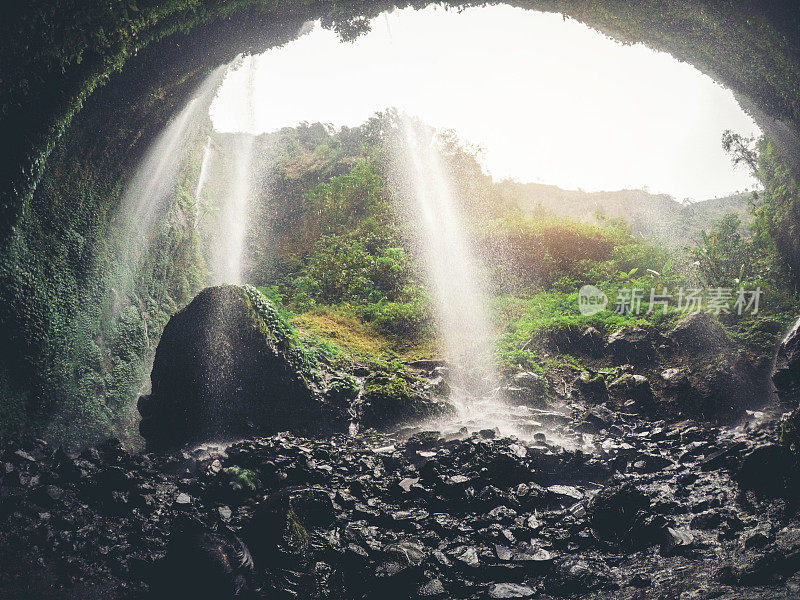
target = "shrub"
x: 409, y: 320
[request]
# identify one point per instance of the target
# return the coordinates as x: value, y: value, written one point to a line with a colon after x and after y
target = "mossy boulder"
x: 632, y: 387
x: 228, y: 366
x: 786, y: 375
x: 526, y: 387
x: 591, y: 386
x: 390, y: 399
x: 718, y: 389
x: 699, y: 332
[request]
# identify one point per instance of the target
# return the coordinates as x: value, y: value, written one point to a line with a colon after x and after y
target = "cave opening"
x: 519, y: 284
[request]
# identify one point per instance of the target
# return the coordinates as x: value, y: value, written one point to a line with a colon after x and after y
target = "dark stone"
x: 617, y: 516
x: 389, y: 399
x: 596, y: 419
x: 433, y: 588
x: 562, y: 339
x: 635, y: 345
x: 699, y: 332
x: 576, y: 575
x: 675, y: 541
x: 632, y: 387
x: 592, y: 386
x: 284, y: 521
x: 204, y: 564
x: 526, y: 387
x: 424, y: 440
x: 227, y: 367
x: 510, y: 590
x: 786, y: 375
x: 769, y: 470
x: 564, y: 494
x: 592, y: 342
x: 651, y: 463
x: 718, y: 390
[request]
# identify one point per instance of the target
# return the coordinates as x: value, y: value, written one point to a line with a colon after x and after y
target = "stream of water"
x: 458, y: 290
x: 227, y: 249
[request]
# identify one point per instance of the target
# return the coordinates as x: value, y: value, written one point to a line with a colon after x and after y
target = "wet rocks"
x: 675, y: 541
x: 390, y: 399
x: 227, y: 367
x: 204, y: 564
x: 635, y: 388
x: 699, y: 332
x: 619, y: 515
x: 634, y: 345
x: 526, y: 387
x: 591, y: 342
x: 575, y: 575
x: 376, y: 516
x: 510, y: 590
x: 786, y: 374
x: 770, y: 469
x: 592, y: 387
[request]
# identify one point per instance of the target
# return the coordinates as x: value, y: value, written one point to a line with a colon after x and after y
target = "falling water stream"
x: 208, y: 153
x: 456, y: 284
x: 153, y: 185
x: 227, y: 249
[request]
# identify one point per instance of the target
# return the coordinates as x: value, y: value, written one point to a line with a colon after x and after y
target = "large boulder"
x: 786, y: 375
x: 719, y: 390
x: 621, y: 517
x: 699, y: 332
x: 228, y: 366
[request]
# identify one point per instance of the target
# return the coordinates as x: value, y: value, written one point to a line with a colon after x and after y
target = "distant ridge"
x: 652, y: 215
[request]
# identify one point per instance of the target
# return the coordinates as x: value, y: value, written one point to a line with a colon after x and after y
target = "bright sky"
x: 548, y: 99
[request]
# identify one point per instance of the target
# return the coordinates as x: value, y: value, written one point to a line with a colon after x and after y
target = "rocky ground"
x: 618, y: 486
x: 658, y: 510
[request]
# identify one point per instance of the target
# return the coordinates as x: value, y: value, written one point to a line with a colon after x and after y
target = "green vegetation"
x: 241, y: 479
x: 337, y: 259
x: 342, y: 262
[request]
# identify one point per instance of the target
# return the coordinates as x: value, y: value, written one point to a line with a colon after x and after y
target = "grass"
x: 521, y: 319
x: 360, y: 340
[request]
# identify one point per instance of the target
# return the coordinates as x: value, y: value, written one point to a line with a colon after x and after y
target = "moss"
x: 296, y: 529
x: 343, y: 388
x: 241, y: 479
x: 345, y: 337
x: 12, y: 408
x: 592, y: 385
x: 387, y: 387
x: 278, y: 331
x: 78, y: 339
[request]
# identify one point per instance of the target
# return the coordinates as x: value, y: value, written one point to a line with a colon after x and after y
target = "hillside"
x: 659, y: 216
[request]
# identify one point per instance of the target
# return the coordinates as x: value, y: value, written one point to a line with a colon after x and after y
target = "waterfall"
x: 228, y: 237
x: 227, y: 250
x: 452, y: 272
x: 148, y: 193
x: 208, y: 152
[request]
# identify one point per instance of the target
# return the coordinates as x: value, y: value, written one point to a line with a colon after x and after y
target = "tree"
x: 724, y: 257
x: 776, y: 210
